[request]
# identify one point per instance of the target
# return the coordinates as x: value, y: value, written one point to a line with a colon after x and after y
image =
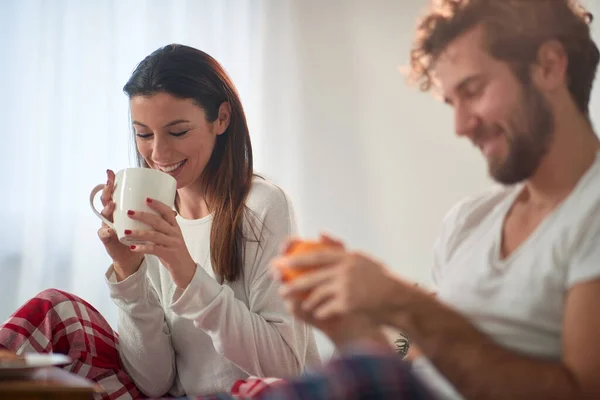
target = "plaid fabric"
x: 360, y: 375
x: 59, y: 322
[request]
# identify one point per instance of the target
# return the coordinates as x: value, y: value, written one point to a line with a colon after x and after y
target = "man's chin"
x: 507, y: 177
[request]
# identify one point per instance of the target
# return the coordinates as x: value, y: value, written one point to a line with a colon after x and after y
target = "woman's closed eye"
x: 178, y: 134
x: 142, y: 135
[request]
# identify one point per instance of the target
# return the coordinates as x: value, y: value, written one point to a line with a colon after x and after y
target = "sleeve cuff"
x: 192, y: 302
x: 131, y: 288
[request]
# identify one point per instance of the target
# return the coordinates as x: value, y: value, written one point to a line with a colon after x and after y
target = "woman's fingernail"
x: 132, y: 247
x: 129, y: 212
x: 149, y: 200
x: 127, y: 232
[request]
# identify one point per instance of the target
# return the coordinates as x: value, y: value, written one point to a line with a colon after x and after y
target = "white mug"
x: 132, y: 187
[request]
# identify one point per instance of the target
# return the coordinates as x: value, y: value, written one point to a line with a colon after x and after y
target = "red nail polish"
x: 149, y: 200
x: 132, y: 247
x: 130, y: 212
x: 127, y: 232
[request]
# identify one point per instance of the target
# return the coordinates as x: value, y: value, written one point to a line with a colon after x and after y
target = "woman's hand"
x: 125, y: 262
x: 164, y: 240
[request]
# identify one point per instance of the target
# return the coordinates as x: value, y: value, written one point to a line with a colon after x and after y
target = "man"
x: 517, y: 268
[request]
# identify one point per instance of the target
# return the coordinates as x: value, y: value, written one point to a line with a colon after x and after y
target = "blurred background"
x: 362, y: 155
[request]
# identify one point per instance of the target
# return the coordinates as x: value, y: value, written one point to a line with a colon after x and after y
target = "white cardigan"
x: 202, y: 339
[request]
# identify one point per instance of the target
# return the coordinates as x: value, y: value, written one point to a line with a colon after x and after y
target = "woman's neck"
x: 191, y: 203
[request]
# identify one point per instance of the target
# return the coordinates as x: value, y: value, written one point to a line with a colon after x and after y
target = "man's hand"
x: 345, y: 283
x: 341, y: 329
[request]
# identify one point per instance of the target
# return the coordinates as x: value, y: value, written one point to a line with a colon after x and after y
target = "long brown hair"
x: 515, y: 30
x: 188, y: 73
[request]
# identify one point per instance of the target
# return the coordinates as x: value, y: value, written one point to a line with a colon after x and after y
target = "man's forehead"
x: 464, y: 56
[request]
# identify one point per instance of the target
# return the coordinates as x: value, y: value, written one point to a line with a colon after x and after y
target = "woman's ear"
x: 223, y: 118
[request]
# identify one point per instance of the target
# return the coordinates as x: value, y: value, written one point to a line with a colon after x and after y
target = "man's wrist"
x: 370, y: 338
x: 405, y: 302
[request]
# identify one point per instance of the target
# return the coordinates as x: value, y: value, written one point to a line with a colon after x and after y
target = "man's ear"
x: 550, y: 70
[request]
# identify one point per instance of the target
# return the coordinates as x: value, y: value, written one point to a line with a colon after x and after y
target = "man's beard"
x: 529, y: 135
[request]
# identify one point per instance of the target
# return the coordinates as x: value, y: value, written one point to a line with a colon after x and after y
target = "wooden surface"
x: 49, y: 384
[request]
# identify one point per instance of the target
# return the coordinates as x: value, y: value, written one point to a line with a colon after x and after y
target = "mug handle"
x: 102, y: 217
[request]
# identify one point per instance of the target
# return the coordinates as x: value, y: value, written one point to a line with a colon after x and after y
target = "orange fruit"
x: 301, y: 247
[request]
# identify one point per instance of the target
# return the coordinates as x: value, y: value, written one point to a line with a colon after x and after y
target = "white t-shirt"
x: 519, y: 301
x: 202, y: 339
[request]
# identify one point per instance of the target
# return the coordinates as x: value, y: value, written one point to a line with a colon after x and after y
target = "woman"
x: 197, y: 308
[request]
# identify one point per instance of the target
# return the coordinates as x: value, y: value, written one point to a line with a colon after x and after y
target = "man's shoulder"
x: 585, y: 198
x: 579, y: 215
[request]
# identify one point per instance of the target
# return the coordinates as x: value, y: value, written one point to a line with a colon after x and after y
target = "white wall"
x: 377, y: 162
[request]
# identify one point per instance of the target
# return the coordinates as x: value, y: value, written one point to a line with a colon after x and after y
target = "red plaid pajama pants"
x: 59, y: 322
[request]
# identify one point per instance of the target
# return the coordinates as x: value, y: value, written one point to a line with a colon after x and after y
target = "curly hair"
x: 514, y: 31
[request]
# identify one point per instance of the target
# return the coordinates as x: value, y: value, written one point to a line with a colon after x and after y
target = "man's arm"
x: 481, y: 369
